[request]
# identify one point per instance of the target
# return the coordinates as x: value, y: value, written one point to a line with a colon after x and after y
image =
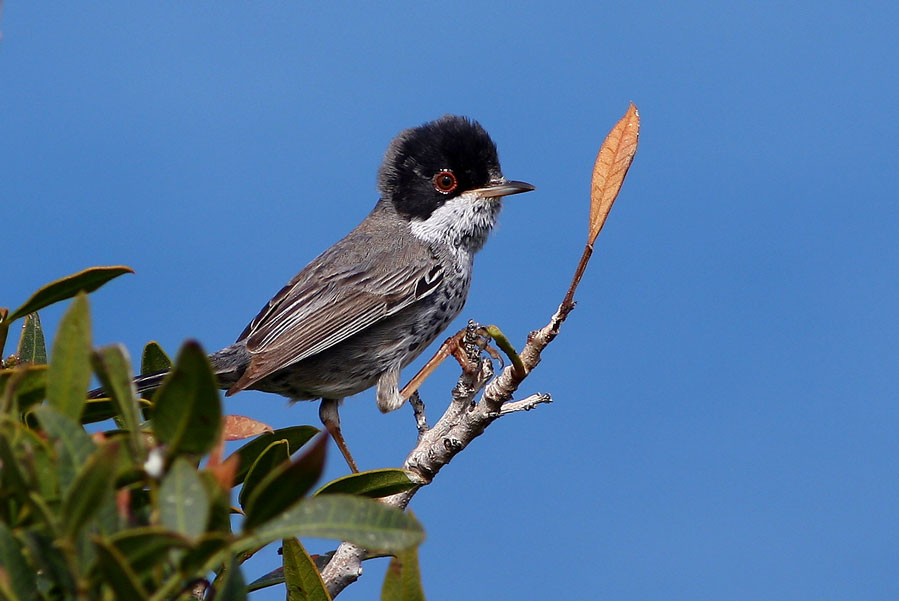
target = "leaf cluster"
x: 123, y: 497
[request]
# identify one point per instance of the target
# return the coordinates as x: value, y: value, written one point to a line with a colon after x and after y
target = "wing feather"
x: 330, y: 301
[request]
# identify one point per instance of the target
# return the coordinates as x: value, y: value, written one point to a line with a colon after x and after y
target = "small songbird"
x: 371, y: 303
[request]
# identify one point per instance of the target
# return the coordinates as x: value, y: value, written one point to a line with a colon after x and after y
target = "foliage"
x: 139, y: 507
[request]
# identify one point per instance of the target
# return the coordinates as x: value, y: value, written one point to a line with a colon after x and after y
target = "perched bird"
x: 371, y: 303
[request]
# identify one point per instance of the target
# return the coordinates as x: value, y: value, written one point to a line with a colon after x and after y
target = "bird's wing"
x: 329, y: 301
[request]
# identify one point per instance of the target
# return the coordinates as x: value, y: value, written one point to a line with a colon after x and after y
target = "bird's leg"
x: 450, y: 346
x: 327, y: 412
x: 455, y: 346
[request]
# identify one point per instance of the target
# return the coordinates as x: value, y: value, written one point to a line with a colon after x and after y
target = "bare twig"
x: 525, y: 404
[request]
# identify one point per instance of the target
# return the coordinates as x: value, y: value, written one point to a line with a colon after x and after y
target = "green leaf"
x: 231, y: 586
x: 147, y: 547
x: 113, y: 367
x: 286, y: 484
x: 206, y: 548
x: 32, y: 348
x: 70, y: 369
x: 154, y: 359
x: 273, y: 456
x: 108, y: 519
x: 41, y: 510
x: 187, y: 414
x: 19, y: 575
x: 67, y: 287
x: 102, y: 409
x: 303, y: 580
x: 4, y: 330
x: 12, y: 480
x: 36, y: 457
x: 72, y: 444
x: 219, y: 504
x: 373, y: 483
x: 403, y: 579
x: 183, y: 501
x: 296, y: 437
x: 117, y: 574
x: 365, y: 522
x: 92, y: 486
x: 5, y: 593
x: 50, y: 561
x: 273, y: 578
x: 24, y: 384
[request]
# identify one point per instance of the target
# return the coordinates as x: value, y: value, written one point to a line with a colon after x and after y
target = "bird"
x: 372, y: 302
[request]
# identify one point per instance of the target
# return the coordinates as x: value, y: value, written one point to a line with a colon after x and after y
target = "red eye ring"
x: 445, y: 181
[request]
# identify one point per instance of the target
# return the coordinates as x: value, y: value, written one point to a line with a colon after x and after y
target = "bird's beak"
x: 503, y: 187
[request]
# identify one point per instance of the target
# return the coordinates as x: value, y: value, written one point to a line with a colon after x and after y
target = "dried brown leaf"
x: 238, y: 427
x: 614, y: 158
x: 217, y: 452
x: 224, y: 472
x: 612, y: 162
x: 123, y: 503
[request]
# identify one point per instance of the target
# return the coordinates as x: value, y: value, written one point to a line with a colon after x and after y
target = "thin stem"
x: 568, y: 303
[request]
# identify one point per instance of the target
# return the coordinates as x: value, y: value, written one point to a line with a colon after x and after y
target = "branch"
x: 525, y: 404
x: 462, y: 422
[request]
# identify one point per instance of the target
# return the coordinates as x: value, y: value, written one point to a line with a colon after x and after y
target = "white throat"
x: 461, y: 223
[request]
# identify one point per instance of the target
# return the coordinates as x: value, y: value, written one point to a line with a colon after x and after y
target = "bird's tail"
x: 143, y: 383
x: 228, y: 365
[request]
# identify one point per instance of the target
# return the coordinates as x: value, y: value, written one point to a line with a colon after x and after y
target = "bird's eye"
x: 445, y: 182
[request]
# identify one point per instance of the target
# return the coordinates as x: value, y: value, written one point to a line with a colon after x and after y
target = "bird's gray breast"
x: 435, y: 312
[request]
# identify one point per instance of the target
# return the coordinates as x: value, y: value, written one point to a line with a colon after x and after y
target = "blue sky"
x: 726, y: 394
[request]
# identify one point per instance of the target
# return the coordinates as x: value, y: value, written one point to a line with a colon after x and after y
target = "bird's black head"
x: 430, y: 164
